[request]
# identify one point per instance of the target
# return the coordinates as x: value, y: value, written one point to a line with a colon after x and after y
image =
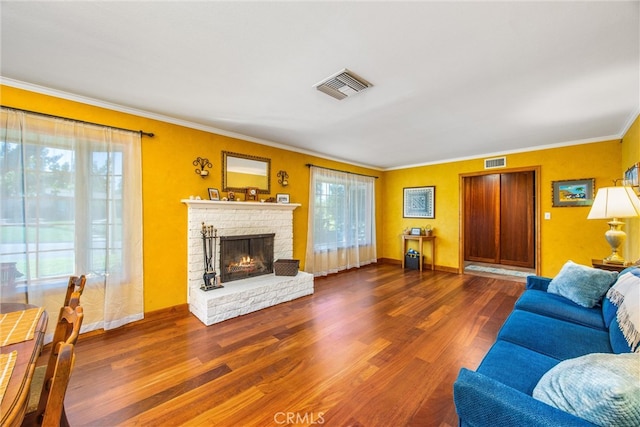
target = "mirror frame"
x: 225, y: 181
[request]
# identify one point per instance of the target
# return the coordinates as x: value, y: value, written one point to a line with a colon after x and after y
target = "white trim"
x: 629, y: 123
x: 204, y: 204
x: 141, y: 113
x: 503, y: 153
x: 166, y: 119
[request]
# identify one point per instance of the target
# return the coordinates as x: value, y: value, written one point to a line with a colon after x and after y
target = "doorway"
x: 499, y: 225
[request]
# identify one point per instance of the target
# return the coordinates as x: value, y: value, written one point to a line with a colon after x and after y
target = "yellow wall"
x: 630, y: 157
x: 567, y: 235
x: 168, y: 176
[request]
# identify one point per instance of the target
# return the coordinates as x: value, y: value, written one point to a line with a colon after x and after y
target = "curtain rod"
x: 142, y: 133
x: 338, y: 170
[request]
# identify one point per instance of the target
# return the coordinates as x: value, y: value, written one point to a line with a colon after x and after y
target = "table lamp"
x: 614, y: 203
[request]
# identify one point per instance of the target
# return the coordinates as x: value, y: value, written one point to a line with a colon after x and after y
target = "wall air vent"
x: 496, y: 162
x: 343, y: 84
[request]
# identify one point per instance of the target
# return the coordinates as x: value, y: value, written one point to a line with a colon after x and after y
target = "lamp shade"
x: 615, y: 202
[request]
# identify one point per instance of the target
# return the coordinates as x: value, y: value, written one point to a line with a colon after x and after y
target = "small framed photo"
x: 419, y: 202
x: 282, y: 198
x: 416, y: 231
x: 572, y: 193
x: 214, y: 194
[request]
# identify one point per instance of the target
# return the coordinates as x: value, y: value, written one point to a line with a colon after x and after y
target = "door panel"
x: 482, y: 218
x: 517, y: 219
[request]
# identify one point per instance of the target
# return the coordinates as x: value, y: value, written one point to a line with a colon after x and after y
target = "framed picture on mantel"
x: 419, y: 202
x: 214, y: 194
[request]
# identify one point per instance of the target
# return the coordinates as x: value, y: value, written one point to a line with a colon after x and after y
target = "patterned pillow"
x: 600, y: 388
x: 581, y: 284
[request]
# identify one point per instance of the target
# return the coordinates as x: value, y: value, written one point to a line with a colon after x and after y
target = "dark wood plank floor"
x: 374, y: 346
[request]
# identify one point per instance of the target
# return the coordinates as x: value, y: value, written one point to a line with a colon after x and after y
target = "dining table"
x: 22, y: 332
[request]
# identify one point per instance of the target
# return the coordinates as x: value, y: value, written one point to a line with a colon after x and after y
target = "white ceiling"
x: 451, y: 79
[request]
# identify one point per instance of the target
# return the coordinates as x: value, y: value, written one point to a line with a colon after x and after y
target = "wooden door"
x: 482, y: 218
x: 499, y: 223
x: 517, y: 224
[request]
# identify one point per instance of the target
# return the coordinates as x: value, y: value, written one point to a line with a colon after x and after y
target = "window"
x: 341, y: 214
x: 342, y: 221
x: 70, y: 205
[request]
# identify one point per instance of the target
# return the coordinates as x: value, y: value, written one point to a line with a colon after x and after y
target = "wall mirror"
x: 240, y: 171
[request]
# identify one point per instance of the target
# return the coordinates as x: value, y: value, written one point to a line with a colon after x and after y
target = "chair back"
x: 53, y: 410
x: 68, y: 326
x: 66, y: 333
x: 75, y: 287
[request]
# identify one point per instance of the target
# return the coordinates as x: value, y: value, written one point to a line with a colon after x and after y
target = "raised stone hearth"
x: 247, y: 295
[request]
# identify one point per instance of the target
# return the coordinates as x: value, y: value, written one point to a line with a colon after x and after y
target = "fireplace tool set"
x: 209, y: 239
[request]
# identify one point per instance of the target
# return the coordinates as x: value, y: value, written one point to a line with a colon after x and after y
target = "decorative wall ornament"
x: 283, y: 178
x: 202, y: 163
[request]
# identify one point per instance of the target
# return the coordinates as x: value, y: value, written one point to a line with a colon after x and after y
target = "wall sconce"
x: 203, y: 163
x: 283, y: 178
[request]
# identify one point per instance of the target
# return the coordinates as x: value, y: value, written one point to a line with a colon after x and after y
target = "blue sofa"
x: 543, y: 330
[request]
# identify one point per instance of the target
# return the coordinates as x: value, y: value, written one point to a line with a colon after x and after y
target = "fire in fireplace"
x: 245, y: 256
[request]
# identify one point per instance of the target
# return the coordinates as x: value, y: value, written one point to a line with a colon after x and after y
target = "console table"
x: 420, y: 240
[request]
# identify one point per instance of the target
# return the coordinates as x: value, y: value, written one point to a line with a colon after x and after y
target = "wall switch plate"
x: 547, y: 215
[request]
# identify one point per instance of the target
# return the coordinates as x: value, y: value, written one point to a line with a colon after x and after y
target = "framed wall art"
x: 572, y: 193
x: 631, y: 176
x: 419, y: 202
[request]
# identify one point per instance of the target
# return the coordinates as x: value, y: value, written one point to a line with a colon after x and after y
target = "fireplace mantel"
x: 220, y: 204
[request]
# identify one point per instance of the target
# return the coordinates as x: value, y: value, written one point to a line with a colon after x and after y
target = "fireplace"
x: 245, y: 256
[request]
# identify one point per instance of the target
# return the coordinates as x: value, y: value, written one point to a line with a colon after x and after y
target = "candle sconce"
x: 202, y: 163
x: 283, y: 178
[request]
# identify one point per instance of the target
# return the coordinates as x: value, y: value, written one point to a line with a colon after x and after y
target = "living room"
x: 168, y: 178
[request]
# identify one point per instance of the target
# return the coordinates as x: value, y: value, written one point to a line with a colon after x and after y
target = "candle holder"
x: 202, y: 163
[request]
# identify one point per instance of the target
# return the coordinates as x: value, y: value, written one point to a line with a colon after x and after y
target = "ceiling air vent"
x: 496, y: 162
x: 343, y: 84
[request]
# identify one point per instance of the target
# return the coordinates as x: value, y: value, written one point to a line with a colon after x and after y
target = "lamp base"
x: 615, y: 236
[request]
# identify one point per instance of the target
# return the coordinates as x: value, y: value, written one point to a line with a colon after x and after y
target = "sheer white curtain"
x: 71, y: 205
x: 342, y: 225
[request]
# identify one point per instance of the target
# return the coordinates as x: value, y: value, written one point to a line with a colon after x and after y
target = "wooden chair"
x: 74, y: 291
x: 66, y: 333
x: 53, y: 414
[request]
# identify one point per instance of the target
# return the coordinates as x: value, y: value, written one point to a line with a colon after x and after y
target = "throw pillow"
x: 581, y: 284
x: 600, y: 388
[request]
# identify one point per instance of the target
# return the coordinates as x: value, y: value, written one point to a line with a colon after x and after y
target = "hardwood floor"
x: 374, y: 346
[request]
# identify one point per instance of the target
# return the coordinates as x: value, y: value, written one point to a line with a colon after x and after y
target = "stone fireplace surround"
x: 247, y: 295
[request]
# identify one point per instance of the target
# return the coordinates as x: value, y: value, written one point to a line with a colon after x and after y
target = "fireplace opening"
x: 245, y: 256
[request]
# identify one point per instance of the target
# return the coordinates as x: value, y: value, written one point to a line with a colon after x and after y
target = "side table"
x: 420, y: 240
x: 599, y: 263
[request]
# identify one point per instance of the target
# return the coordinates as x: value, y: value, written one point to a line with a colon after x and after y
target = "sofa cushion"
x: 601, y: 388
x: 559, y: 307
x: 552, y: 337
x: 515, y: 366
x: 581, y: 284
